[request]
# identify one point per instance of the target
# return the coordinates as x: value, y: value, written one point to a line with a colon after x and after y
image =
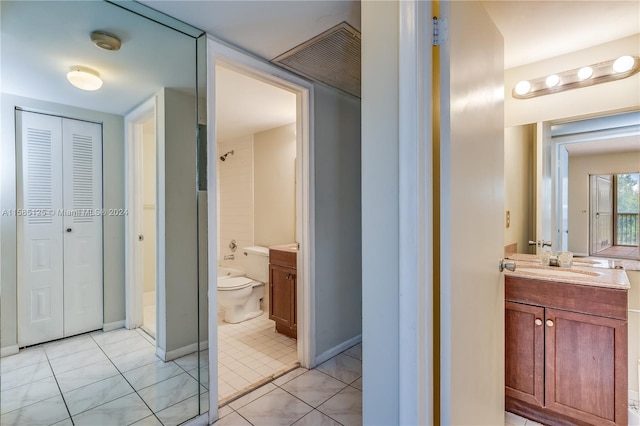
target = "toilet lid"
x: 234, y: 283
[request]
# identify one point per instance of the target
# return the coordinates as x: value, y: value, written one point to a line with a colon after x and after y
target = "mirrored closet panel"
x: 103, y: 315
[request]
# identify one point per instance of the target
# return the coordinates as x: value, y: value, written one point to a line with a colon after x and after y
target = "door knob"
x: 502, y: 265
x: 538, y: 321
x: 68, y: 229
x: 549, y: 323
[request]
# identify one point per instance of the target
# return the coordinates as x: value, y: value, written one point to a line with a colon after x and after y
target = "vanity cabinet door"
x: 585, y: 375
x: 524, y: 352
x: 282, y: 299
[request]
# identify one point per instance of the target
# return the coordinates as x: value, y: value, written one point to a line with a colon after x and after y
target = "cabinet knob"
x: 549, y: 323
x: 538, y: 321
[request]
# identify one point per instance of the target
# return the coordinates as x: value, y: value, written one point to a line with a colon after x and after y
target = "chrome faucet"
x: 540, y: 243
x: 229, y: 257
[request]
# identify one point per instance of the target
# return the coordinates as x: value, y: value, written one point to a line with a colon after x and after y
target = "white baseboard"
x: 201, y: 420
x: 326, y: 355
x: 9, y: 350
x: 177, y: 353
x: 113, y: 325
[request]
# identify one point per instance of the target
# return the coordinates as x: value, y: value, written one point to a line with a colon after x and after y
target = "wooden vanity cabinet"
x: 565, y: 352
x: 283, y: 292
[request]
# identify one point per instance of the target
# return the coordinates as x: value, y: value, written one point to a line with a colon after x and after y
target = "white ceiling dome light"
x: 84, y: 78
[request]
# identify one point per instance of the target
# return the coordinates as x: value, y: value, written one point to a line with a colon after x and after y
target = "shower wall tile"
x: 235, y: 177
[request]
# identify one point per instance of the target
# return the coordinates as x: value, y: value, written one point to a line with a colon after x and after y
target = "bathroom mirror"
x: 103, y: 228
x: 583, y: 200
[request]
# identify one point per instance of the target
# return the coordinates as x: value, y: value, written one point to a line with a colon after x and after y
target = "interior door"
x: 601, y: 212
x: 40, y: 243
x: 472, y: 211
x: 59, y: 227
x: 82, y: 183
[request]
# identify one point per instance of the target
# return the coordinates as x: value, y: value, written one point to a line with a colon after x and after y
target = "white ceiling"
x: 246, y: 106
x: 41, y: 40
x: 624, y: 144
x: 533, y: 30
x: 538, y: 30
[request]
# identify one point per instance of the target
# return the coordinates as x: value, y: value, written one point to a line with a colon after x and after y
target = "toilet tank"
x: 257, y: 263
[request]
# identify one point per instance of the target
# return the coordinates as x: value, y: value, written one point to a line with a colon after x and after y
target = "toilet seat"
x: 234, y: 283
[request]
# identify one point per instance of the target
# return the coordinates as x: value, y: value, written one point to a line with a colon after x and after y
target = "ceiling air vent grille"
x: 332, y: 57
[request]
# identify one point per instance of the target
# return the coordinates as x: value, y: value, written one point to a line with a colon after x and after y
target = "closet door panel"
x: 82, y: 179
x: 39, y: 226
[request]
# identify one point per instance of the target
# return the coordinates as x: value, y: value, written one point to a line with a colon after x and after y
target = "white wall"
x: 519, y: 142
x: 235, y: 199
x: 113, y: 198
x: 580, y: 167
x: 612, y: 96
x: 380, y: 235
x: 274, y: 156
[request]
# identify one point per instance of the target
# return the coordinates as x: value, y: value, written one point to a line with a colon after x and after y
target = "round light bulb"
x: 523, y: 87
x: 623, y: 64
x: 84, y: 78
x: 552, y: 81
x: 585, y: 73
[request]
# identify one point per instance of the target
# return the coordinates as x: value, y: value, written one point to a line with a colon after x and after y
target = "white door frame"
x: 415, y: 203
x: 219, y: 53
x: 134, y: 286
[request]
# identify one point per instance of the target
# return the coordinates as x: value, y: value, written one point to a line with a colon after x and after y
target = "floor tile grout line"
x: 64, y: 401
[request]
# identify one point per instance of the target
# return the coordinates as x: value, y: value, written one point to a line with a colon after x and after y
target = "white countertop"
x: 583, y: 272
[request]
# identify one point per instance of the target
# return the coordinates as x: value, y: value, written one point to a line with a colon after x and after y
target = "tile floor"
x: 511, y: 419
x: 99, y: 379
x: 250, y: 353
x: 330, y: 394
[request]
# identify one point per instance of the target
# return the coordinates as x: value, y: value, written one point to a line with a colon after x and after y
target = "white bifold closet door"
x: 59, y: 227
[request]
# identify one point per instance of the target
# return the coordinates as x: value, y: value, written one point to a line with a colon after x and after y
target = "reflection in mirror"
x: 591, y: 199
x: 102, y: 313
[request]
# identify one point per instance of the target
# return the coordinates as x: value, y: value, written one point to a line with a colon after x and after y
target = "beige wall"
x: 113, y: 198
x: 580, y: 167
x: 274, y: 197
x: 235, y: 199
x: 178, y: 280
x: 593, y: 100
x: 149, y: 204
x: 519, y: 143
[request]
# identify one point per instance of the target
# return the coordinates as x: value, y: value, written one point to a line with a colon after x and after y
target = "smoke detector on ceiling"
x: 105, y: 41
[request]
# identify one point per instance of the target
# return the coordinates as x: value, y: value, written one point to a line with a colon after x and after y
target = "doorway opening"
x: 148, y: 237
x: 268, y: 163
x: 256, y: 185
x: 142, y: 186
x: 614, y: 200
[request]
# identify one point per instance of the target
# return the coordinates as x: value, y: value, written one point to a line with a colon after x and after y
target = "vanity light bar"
x: 614, y: 69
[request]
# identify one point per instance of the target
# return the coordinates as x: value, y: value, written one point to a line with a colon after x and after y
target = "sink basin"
x: 550, y: 271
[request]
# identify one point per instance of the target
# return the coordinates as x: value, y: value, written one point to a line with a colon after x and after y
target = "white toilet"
x: 240, y: 296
